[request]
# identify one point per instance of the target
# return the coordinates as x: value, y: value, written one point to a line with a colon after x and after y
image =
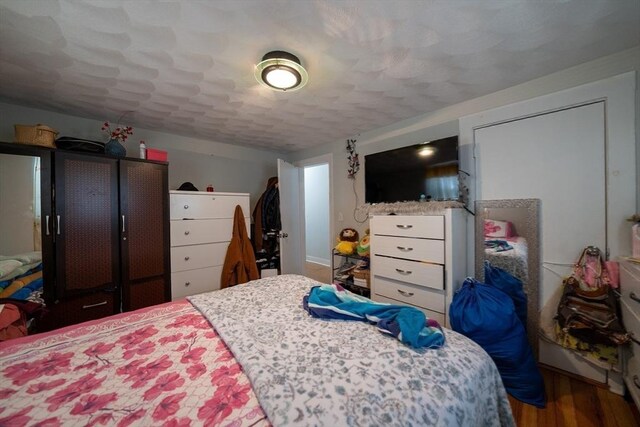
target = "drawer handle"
x: 633, y: 338
x: 636, y: 381
x: 186, y: 233
x: 634, y: 297
x: 405, y: 293
x: 404, y: 227
x: 186, y: 206
x: 186, y: 258
x: 187, y: 283
x: 94, y: 305
x: 403, y: 249
x: 406, y: 272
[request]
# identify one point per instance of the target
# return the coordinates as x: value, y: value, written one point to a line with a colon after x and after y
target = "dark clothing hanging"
x: 240, y: 262
x: 266, y: 215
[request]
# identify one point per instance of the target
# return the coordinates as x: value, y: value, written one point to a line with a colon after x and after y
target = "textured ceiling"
x: 186, y: 67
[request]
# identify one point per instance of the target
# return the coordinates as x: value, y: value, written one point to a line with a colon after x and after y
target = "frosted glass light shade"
x: 281, y: 71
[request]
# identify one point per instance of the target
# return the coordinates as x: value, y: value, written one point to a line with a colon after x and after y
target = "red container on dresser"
x: 159, y: 155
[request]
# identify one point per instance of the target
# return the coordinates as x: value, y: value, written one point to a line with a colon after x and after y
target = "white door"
x: 558, y: 158
x: 290, y: 236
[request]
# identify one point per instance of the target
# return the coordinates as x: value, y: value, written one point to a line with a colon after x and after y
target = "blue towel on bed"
x: 408, y: 324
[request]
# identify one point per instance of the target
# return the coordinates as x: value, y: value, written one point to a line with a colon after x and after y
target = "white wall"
x: 228, y: 167
x: 316, y: 213
x: 444, y: 122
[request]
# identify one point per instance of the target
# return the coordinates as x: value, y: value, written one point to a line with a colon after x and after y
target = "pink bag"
x: 591, y: 273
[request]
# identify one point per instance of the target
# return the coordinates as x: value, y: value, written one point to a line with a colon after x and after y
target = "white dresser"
x: 418, y: 260
x: 201, y: 228
x: 630, y: 308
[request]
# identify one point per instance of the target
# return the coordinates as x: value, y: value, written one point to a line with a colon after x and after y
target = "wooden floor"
x: 574, y: 403
x: 319, y: 272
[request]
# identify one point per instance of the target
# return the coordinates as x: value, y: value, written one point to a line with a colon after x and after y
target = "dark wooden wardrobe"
x: 109, y: 229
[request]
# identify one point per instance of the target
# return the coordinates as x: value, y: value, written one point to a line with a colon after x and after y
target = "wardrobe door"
x: 86, y: 228
x: 144, y: 240
x: 26, y: 213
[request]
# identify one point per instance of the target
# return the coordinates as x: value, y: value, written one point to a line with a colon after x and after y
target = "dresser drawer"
x: 418, y: 273
x: 198, y: 256
x: 438, y: 317
x: 195, y: 232
x: 420, y: 296
x: 630, y: 285
x: 202, y: 206
x: 631, y: 321
x: 191, y: 282
x: 409, y: 248
x: 429, y: 227
x: 632, y: 378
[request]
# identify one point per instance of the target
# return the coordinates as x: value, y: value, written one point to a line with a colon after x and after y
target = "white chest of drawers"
x: 418, y: 260
x: 630, y: 309
x: 201, y: 228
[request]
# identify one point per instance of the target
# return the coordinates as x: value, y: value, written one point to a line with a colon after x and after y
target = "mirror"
x: 20, y: 215
x: 508, y: 236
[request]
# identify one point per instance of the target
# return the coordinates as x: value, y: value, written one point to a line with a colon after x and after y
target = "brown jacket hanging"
x: 240, y: 262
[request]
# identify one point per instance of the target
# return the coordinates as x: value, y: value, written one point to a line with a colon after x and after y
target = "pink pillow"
x: 493, y: 228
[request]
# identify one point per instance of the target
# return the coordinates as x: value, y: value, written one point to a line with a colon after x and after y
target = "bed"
x: 513, y: 260
x: 21, y: 277
x: 264, y: 361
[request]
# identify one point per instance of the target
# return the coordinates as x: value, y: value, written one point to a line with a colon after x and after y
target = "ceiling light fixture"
x: 426, y: 151
x: 281, y: 71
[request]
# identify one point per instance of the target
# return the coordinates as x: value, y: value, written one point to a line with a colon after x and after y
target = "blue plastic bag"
x: 487, y: 316
x: 511, y: 286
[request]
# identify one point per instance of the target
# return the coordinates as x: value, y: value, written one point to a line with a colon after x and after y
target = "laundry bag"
x: 511, y: 286
x: 487, y: 315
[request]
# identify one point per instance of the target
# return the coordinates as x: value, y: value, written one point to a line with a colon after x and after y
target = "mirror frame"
x: 46, y: 208
x: 532, y: 233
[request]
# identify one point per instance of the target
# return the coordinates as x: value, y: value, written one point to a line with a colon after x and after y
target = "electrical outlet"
x: 340, y: 217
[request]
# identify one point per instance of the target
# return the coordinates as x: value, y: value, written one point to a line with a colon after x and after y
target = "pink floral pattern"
x: 163, y: 365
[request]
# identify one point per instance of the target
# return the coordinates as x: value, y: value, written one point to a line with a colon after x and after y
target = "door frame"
x: 313, y: 161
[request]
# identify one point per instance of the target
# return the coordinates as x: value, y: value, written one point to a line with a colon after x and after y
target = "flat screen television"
x: 427, y: 171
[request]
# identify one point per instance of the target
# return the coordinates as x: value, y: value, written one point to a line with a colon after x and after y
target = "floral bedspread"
x: 163, y: 365
x: 308, y: 371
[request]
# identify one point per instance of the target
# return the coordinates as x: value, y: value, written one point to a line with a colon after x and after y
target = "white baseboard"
x: 318, y: 260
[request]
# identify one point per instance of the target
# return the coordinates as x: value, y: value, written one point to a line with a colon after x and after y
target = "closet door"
x: 144, y: 229
x: 86, y: 239
x: 558, y: 158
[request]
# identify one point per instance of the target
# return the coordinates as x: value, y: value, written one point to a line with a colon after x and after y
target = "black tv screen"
x: 427, y: 171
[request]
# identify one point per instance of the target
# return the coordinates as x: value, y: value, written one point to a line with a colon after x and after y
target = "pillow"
x: 494, y: 228
x: 8, y: 265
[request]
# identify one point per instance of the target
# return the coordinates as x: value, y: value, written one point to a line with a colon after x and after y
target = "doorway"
x: 316, y: 212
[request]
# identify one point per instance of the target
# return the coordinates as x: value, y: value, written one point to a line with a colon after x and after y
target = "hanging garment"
x: 266, y: 214
x: 240, y: 262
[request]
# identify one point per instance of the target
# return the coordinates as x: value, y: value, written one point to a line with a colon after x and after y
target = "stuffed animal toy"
x: 363, y: 246
x: 347, y: 241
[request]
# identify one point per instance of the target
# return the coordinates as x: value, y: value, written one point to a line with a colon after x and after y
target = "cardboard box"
x: 158, y: 155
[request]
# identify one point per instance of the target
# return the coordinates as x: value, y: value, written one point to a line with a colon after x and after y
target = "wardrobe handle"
x: 186, y: 206
x: 632, y: 295
x: 187, y: 283
x: 186, y: 258
x: 403, y: 249
x: 123, y: 223
x: 405, y: 294
x: 46, y: 224
x: 403, y: 271
x: 636, y: 381
x: 404, y: 227
x: 186, y: 233
x: 58, y: 224
x: 94, y: 305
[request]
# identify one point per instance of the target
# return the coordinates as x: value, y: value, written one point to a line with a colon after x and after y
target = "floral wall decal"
x: 354, y: 162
